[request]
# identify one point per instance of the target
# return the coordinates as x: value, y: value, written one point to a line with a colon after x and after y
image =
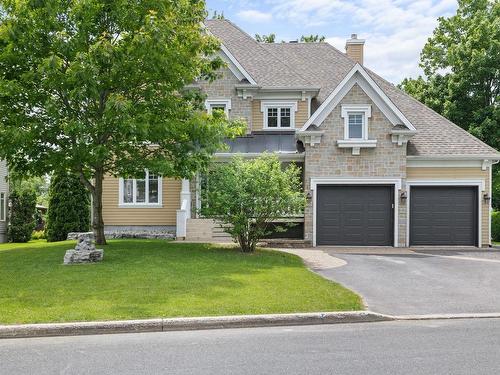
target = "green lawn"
x: 151, y: 278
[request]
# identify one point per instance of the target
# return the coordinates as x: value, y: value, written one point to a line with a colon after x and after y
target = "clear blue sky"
x: 395, y: 30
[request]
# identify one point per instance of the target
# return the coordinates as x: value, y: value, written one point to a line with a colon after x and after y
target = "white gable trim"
x: 369, y: 86
x: 236, y: 67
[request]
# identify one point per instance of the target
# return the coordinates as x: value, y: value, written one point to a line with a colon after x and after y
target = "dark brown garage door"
x: 443, y: 215
x: 355, y: 215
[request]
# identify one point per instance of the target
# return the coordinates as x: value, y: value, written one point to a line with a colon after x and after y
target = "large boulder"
x: 84, y: 251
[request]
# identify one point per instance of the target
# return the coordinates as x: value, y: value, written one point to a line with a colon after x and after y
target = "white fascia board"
x: 455, y: 157
x: 237, y: 64
x: 345, y: 85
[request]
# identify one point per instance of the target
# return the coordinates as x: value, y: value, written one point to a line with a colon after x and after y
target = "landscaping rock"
x: 75, y: 235
x: 84, y: 251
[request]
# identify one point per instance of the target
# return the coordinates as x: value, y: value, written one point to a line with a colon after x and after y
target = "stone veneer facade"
x: 224, y: 88
x: 386, y: 160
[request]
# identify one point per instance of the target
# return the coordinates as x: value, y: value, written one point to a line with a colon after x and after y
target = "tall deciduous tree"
x: 97, y: 87
x: 461, y: 62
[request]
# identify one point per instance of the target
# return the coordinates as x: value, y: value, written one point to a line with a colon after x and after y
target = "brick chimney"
x: 354, y: 48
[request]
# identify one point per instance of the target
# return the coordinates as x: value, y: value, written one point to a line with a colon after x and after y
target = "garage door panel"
x: 443, y: 215
x: 363, y: 215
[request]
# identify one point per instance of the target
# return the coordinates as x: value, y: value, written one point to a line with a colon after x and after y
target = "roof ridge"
x: 261, y: 48
x: 471, y: 136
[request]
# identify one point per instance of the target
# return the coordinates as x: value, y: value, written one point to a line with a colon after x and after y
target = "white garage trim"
x: 480, y: 184
x: 315, y: 181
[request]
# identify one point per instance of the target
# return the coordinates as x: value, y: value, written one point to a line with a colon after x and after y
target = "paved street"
x: 430, y: 347
x: 422, y: 283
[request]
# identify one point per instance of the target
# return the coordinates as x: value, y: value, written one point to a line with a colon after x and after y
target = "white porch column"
x: 186, y: 196
x: 184, y: 213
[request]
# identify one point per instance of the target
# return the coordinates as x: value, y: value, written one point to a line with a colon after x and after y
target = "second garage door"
x: 443, y: 215
x: 354, y: 215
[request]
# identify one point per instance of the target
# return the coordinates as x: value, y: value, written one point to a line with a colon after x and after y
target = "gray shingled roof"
x: 321, y: 65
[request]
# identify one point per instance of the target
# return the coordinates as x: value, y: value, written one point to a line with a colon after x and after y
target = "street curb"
x: 448, y: 316
x: 184, y: 324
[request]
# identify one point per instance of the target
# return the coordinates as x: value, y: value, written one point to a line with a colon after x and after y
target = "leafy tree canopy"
x: 271, y: 38
x: 247, y: 195
x: 98, y: 87
x: 312, y: 38
x: 461, y: 62
x: 462, y: 71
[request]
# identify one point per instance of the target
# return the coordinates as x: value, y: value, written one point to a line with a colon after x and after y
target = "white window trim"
x: 396, y: 182
x: 221, y: 102
x: 264, y: 105
x: 122, y: 204
x: 480, y: 184
x: 4, y: 213
x: 366, y: 109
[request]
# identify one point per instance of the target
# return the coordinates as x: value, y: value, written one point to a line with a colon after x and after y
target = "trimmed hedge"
x: 495, y: 226
x: 69, y: 207
x: 22, y: 215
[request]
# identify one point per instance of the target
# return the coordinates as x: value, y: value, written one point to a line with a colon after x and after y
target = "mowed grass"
x: 151, y: 278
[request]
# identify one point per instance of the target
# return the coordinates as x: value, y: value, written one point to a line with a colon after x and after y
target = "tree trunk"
x: 97, y: 220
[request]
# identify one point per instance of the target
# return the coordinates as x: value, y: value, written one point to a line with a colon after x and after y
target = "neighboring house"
x: 4, y: 189
x: 379, y: 167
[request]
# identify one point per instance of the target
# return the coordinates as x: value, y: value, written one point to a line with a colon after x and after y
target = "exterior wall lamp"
x: 487, y: 197
x: 309, y: 195
x: 404, y: 196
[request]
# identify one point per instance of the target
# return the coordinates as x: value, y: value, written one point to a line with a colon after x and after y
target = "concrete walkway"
x: 316, y: 259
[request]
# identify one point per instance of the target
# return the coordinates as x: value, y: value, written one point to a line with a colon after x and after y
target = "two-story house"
x: 4, y: 189
x: 379, y: 167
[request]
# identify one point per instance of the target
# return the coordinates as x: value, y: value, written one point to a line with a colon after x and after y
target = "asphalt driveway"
x: 433, y: 282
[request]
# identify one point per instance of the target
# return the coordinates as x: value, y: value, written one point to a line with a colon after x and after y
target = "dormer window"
x: 279, y: 115
x: 212, y: 105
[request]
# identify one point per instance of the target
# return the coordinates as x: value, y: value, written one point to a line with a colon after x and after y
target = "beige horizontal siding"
x: 165, y: 215
x: 301, y: 116
x: 460, y: 174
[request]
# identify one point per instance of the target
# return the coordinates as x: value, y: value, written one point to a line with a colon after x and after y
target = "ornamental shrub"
x: 69, y: 207
x: 495, y: 226
x: 21, y: 215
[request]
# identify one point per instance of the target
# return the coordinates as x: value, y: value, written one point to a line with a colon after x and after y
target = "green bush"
x: 22, y: 215
x: 69, y: 207
x: 495, y: 226
x: 38, y: 235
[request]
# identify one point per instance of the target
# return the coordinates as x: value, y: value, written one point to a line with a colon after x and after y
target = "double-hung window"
x: 355, y: 125
x: 279, y: 115
x: 356, y: 121
x: 223, y: 105
x: 3, y: 206
x: 144, y: 190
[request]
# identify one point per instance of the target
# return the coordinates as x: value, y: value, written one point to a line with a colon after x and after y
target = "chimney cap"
x: 354, y: 40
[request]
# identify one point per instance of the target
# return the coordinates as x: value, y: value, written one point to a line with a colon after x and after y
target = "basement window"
x: 144, y: 191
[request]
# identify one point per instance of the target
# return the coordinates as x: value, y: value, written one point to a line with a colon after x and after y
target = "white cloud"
x: 251, y: 15
x: 395, y: 30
